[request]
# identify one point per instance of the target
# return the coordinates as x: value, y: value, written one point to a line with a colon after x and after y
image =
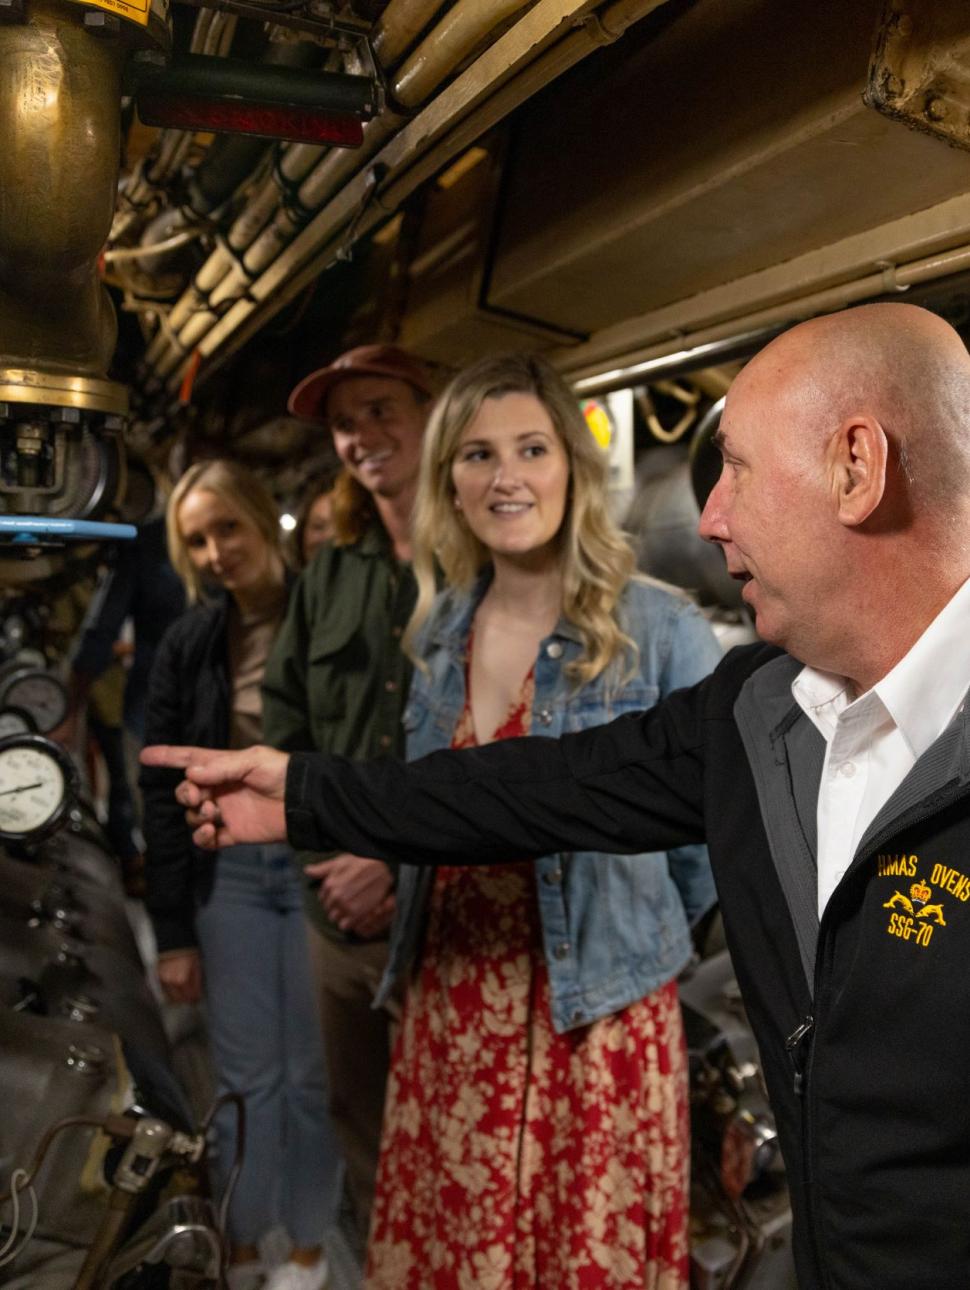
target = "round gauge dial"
x: 37, y: 786
x: 16, y: 721
x: 41, y: 693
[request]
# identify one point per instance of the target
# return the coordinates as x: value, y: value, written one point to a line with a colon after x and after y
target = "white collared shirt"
x: 875, y: 740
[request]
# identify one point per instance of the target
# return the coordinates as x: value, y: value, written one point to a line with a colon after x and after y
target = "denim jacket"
x: 614, y: 928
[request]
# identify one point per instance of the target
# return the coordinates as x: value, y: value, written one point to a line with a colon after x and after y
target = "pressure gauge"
x: 16, y: 721
x: 41, y: 693
x: 38, y: 784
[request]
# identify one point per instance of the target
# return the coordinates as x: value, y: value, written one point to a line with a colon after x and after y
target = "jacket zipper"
x: 796, y: 1045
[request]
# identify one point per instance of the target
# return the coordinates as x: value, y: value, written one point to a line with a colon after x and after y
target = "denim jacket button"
x: 553, y: 877
x: 544, y: 717
x: 554, y: 649
x: 562, y: 950
x: 577, y: 1015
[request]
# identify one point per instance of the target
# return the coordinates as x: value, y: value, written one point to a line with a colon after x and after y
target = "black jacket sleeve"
x: 636, y: 784
x: 169, y: 853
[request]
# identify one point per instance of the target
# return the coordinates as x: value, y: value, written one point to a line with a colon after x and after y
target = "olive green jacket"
x: 337, y: 680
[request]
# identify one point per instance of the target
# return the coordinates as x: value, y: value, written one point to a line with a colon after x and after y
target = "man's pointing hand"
x: 229, y: 797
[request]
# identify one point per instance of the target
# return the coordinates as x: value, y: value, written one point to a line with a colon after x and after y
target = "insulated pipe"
x: 170, y: 345
x: 273, y: 227
x: 231, y: 79
x: 327, y: 177
x: 222, y: 278
x: 745, y: 335
x: 297, y: 161
x: 466, y: 24
x: 212, y: 34
x: 401, y: 23
x: 229, y: 160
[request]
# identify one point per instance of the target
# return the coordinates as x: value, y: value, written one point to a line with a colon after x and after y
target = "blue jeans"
x: 266, y: 1044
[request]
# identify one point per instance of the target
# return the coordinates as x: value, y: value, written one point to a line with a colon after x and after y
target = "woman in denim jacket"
x: 536, y: 1127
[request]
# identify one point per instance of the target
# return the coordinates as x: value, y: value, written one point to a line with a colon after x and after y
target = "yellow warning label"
x: 598, y: 420
x: 133, y: 10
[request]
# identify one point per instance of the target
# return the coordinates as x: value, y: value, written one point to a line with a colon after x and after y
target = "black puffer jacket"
x: 863, y: 1021
x: 188, y: 703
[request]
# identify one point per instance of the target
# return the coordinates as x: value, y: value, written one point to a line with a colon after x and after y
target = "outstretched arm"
x: 633, y: 785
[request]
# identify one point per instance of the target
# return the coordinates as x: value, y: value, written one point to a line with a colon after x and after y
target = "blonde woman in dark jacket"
x: 231, y: 927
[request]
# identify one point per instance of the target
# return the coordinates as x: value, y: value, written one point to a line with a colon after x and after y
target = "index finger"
x: 176, y: 756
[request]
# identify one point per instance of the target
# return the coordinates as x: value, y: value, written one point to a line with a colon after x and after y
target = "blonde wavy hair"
x: 239, y: 489
x: 597, y: 561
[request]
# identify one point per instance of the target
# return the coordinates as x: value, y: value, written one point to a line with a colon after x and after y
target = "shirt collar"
x: 927, y: 685
x: 921, y: 693
x: 822, y: 696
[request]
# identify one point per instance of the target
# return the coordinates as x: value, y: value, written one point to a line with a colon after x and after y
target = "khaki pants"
x: 357, y: 1048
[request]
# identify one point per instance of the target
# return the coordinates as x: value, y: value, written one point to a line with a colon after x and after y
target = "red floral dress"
x: 512, y: 1156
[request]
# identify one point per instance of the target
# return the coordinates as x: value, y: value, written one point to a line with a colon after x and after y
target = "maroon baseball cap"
x: 309, y: 398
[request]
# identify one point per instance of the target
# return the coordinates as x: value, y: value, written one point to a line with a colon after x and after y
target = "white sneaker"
x: 294, y: 1276
x: 246, y: 1276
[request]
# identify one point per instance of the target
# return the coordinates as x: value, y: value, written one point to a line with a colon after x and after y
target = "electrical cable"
x: 19, y: 1181
x: 45, y: 1142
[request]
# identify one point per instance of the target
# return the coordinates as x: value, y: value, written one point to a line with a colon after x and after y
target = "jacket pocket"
x: 594, y: 707
x: 329, y: 668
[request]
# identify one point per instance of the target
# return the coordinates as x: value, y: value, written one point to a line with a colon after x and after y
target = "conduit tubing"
x: 277, y: 234
x: 267, y: 226
x: 647, y: 364
x: 191, y: 320
x: 212, y: 34
x: 401, y: 23
x: 465, y: 25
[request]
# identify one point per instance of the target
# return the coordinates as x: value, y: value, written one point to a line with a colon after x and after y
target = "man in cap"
x: 336, y: 682
x: 830, y: 778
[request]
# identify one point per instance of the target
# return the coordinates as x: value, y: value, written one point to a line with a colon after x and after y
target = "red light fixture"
x: 226, y: 96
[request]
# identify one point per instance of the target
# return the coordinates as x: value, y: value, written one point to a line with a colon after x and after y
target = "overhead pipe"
x: 407, y: 171
x: 229, y: 160
x: 228, y: 80
x: 227, y: 272
x: 171, y: 345
x: 401, y: 23
x: 742, y: 337
x: 464, y: 26
x: 327, y: 177
x: 212, y: 34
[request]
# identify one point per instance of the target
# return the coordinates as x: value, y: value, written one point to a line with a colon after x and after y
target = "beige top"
x: 251, y: 635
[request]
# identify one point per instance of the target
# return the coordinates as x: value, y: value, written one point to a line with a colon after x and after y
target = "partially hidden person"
x: 230, y: 927
x: 337, y: 681
x: 314, y: 522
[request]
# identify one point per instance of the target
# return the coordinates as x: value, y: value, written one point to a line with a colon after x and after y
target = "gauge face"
x: 15, y: 721
x: 33, y: 786
x: 41, y: 693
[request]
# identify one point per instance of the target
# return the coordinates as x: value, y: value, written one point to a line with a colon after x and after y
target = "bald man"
x: 828, y: 771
